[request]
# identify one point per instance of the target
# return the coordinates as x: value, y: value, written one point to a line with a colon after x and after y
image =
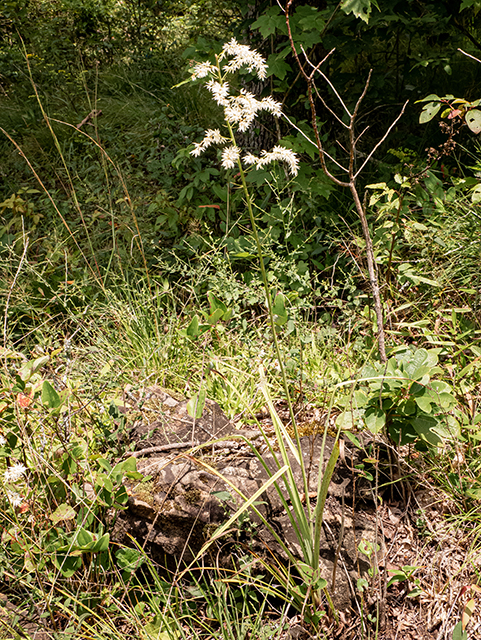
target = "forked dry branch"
x: 351, y: 171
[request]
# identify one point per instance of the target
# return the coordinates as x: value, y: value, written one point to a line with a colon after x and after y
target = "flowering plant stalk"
x: 240, y: 112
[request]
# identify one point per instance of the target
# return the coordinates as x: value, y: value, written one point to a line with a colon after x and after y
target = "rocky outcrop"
x: 194, y: 471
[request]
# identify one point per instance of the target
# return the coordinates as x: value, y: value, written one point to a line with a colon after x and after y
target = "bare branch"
x: 326, y: 106
x: 363, y: 94
x: 469, y: 55
x: 291, y: 40
x: 361, y: 134
x: 313, y: 143
x: 336, y: 93
x: 317, y: 66
x: 373, y: 151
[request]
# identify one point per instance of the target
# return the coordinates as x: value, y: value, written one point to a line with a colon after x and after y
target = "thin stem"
x: 275, y: 340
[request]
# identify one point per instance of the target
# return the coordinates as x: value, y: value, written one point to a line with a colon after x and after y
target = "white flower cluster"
x: 230, y: 156
x: 212, y: 136
x: 14, y: 498
x: 203, y: 69
x: 240, y: 110
x: 277, y: 153
x: 15, y: 472
x: 243, y: 56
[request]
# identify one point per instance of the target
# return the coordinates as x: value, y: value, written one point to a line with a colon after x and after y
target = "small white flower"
x: 250, y: 158
x: 14, y: 498
x: 203, y: 69
x: 3, y: 442
x: 269, y: 104
x: 15, y: 472
x: 219, y: 91
x: 244, y: 57
x: 277, y: 153
x: 230, y: 155
x: 242, y: 109
x: 212, y: 136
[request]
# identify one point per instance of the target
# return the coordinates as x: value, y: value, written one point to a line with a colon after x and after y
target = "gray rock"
x: 188, y: 495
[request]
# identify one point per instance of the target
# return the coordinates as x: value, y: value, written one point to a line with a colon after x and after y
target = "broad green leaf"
x: 196, y: 404
x: 67, y: 564
x: 49, y: 396
x: 424, y: 402
x: 407, y: 407
x: 279, y: 309
x: 473, y: 120
x: 429, y: 98
x: 63, y: 512
x: 278, y: 67
x: 83, y: 538
x: 429, y: 111
x: 104, y: 482
x: 270, y: 21
x: 476, y: 194
x: 129, y: 559
x: 458, y: 632
x: 192, y: 330
x: 215, y: 317
x: 27, y: 371
x: 347, y: 420
x: 101, y: 544
x: 215, y: 303
x: 221, y: 495
x: 424, y: 426
x: 360, y: 8
x: 375, y: 419
x: 311, y: 576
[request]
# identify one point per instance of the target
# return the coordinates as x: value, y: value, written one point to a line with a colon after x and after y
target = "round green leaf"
x: 429, y: 111
x: 473, y: 120
x: 63, y: 512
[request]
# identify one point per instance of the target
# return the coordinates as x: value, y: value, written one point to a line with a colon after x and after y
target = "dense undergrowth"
x: 124, y: 260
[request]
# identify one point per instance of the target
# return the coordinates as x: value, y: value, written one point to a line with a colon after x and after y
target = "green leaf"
x: 100, y: 545
x: 429, y: 111
x: 63, y: 512
x: 129, y: 559
x: 215, y: 303
x: 375, y: 419
x: 458, y: 632
x: 67, y: 564
x: 49, y: 396
x: 473, y: 120
x: 215, y: 317
x: 270, y: 21
x: 27, y: 371
x: 429, y: 98
x: 278, y: 67
x: 424, y: 426
x: 223, y: 496
x: 476, y: 194
x: 192, y: 330
x: 196, y: 404
x: 279, y: 309
x: 360, y: 8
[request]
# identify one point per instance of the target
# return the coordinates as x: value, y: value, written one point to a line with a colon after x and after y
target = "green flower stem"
x: 272, y: 321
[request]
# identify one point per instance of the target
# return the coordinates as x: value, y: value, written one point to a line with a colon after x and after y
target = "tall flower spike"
x: 244, y: 57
